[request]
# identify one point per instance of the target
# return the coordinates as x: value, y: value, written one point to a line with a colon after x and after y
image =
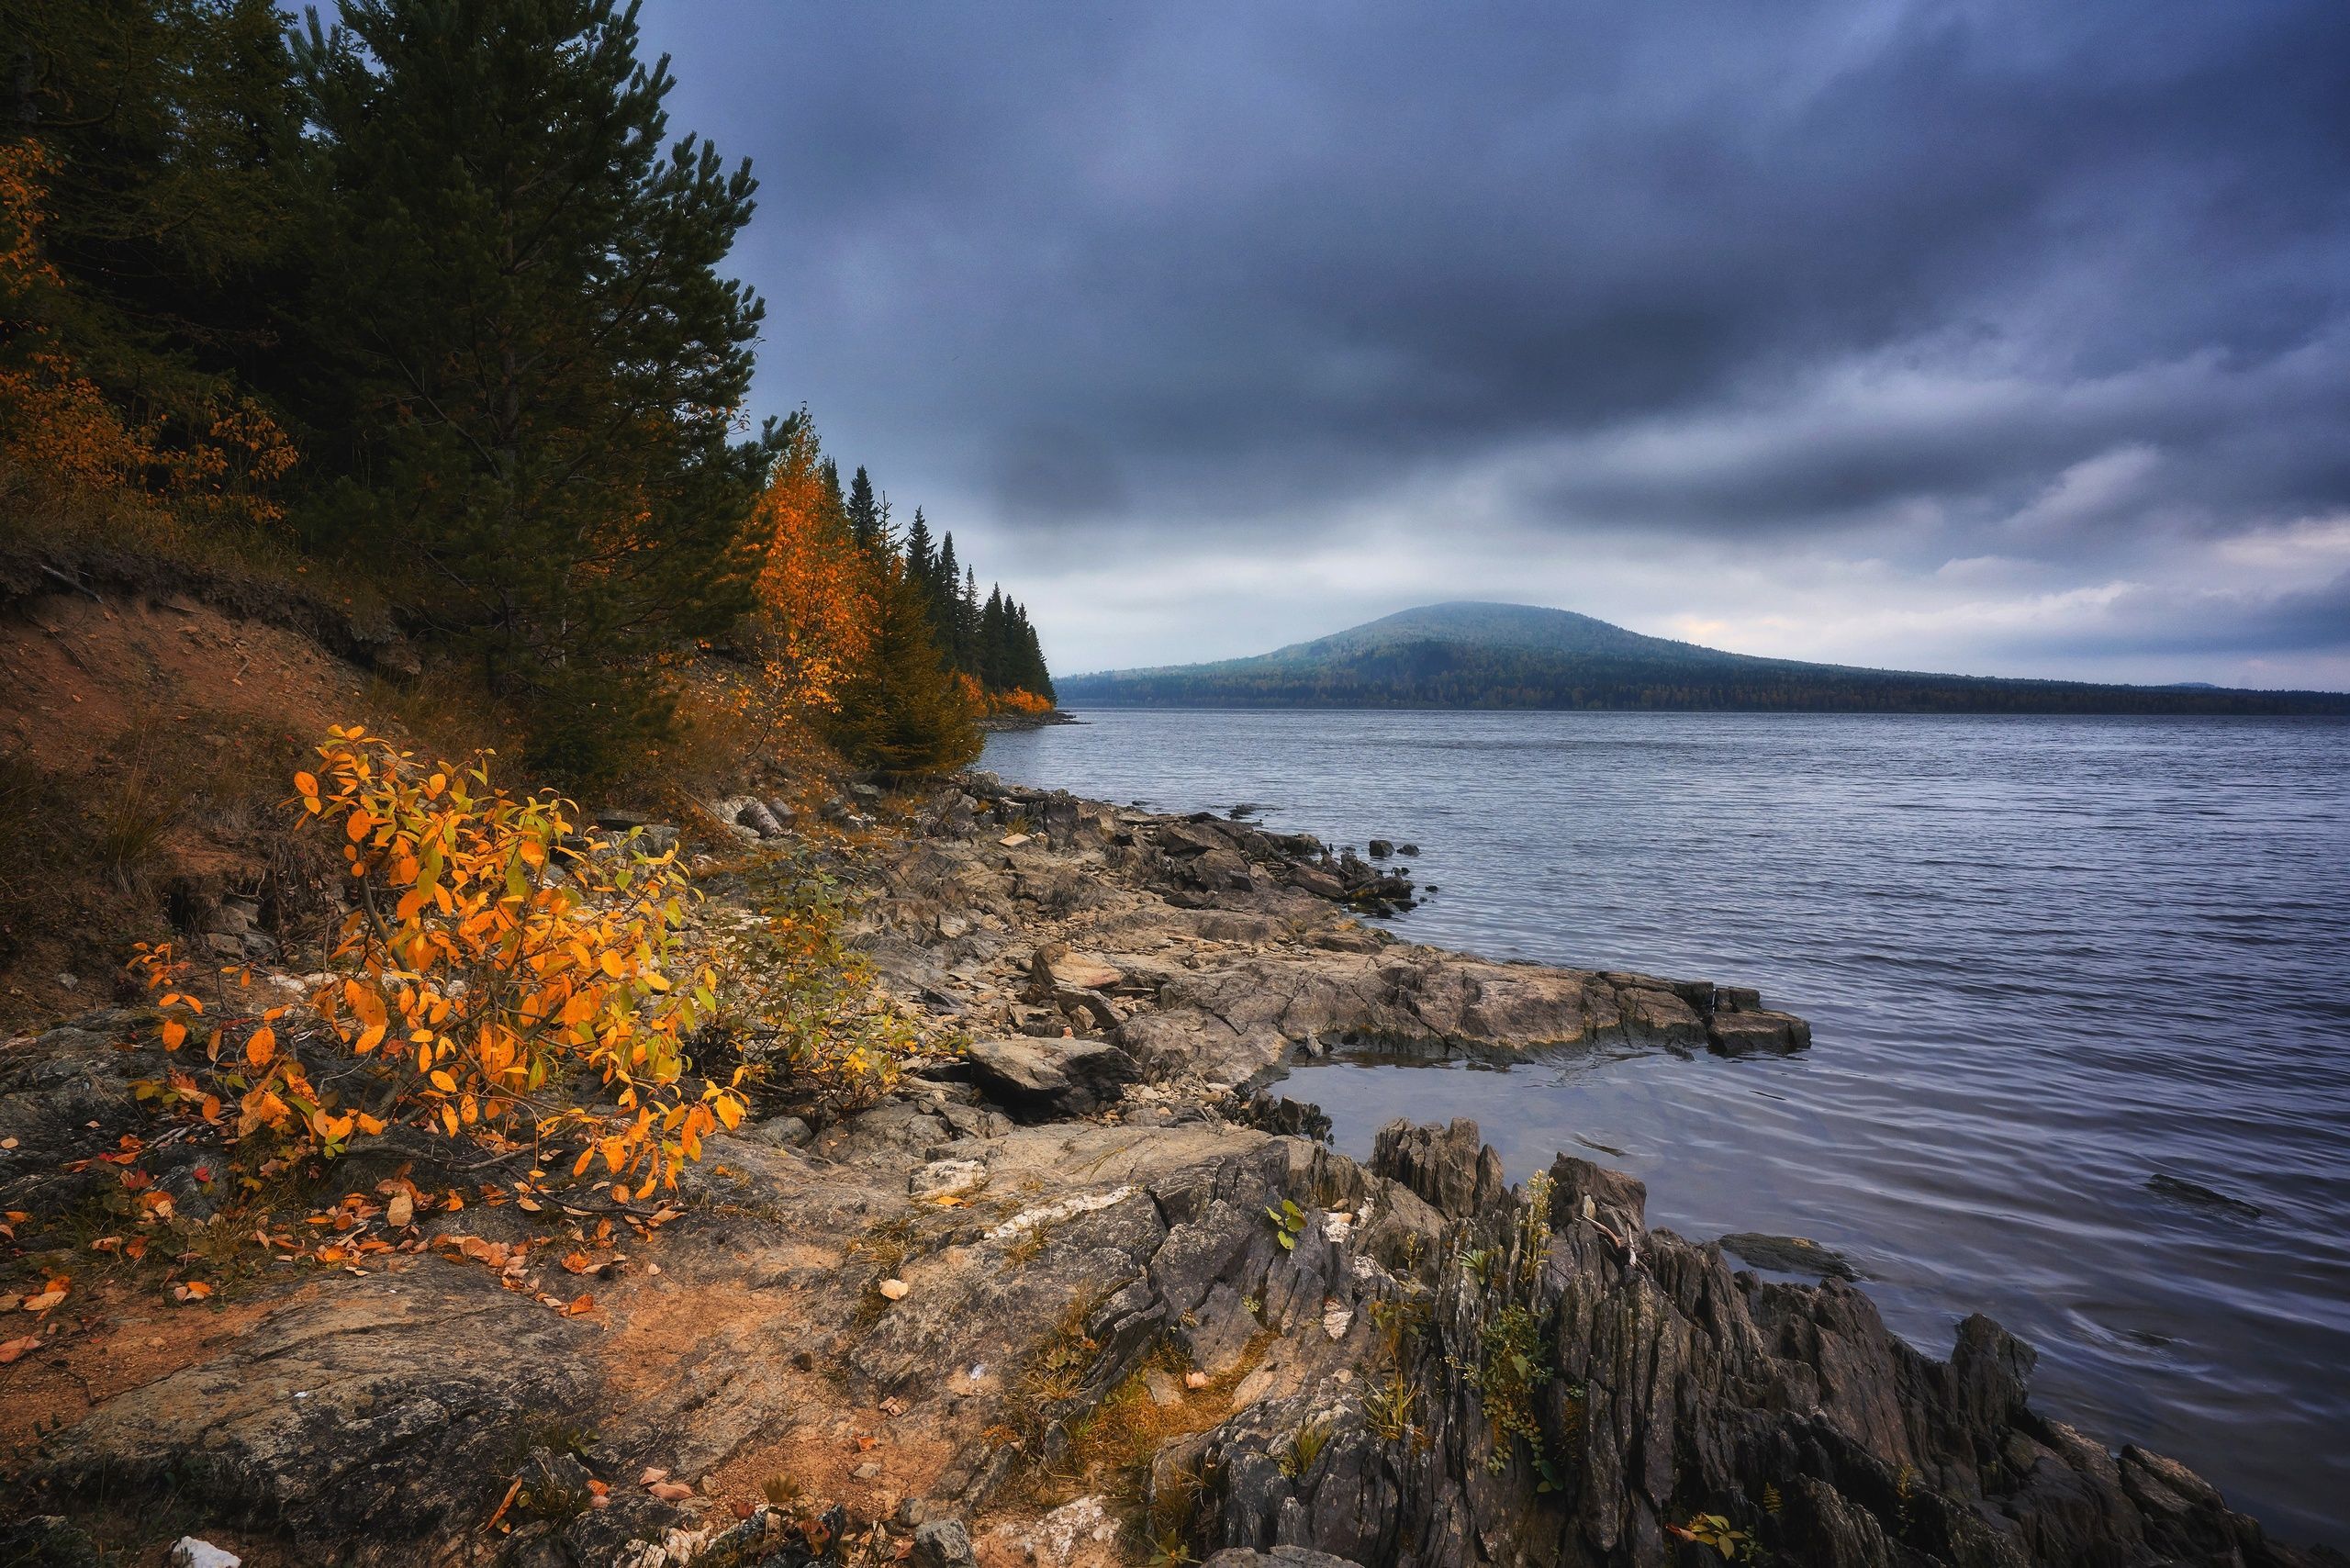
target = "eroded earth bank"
x: 1135, y: 1311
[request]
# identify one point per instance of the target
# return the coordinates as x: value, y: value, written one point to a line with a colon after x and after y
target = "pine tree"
x: 904, y: 715
x: 966, y: 625
x: 521, y: 287
x: 864, y: 513
x: 947, y: 603
x: 921, y: 560
x: 161, y: 136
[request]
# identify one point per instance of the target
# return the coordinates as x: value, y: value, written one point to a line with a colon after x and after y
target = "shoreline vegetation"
x: 1008, y: 1248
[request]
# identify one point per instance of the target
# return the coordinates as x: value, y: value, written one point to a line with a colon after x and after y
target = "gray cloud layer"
x: 2012, y: 336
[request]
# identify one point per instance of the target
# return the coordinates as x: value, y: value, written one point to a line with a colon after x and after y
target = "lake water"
x: 2046, y: 960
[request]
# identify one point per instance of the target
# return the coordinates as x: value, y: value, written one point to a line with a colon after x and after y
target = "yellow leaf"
x: 261, y: 1047
x: 444, y: 1082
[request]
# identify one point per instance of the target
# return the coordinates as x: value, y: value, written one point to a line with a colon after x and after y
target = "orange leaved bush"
x: 495, y: 960
x: 493, y: 955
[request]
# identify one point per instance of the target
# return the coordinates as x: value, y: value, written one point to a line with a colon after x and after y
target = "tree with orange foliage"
x: 815, y: 627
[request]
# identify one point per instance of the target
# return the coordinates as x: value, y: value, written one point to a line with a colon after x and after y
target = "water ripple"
x: 2045, y: 959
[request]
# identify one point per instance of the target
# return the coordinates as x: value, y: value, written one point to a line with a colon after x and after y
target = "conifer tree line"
x: 433, y: 295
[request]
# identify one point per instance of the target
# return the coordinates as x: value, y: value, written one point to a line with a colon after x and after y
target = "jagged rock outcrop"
x: 1657, y: 1386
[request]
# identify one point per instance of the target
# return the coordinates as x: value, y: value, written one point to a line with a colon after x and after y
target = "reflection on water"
x: 2046, y: 960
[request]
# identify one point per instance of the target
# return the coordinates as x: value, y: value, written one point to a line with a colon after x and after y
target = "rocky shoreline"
x: 1136, y: 1312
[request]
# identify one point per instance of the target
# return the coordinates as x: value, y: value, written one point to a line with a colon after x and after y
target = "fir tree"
x: 521, y: 287
x: 904, y: 713
x: 922, y: 562
x: 864, y: 513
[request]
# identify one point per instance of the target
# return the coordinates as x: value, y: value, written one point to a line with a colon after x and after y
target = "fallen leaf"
x: 24, y: 1345
x: 1195, y: 1380
x: 576, y: 1263
x: 195, y: 1290
x: 651, y: 1476
x: 400, y: 1212
x: 583, y: 1305
x: 671, y: 1491
x: 895, y: 1289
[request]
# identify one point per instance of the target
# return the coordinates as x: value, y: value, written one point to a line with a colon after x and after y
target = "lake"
x: 2047, y: 961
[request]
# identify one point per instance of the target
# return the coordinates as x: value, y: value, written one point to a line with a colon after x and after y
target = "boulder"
x: 943, y: 1543
x: 1760, y: 1033
x: 1044, y: 1078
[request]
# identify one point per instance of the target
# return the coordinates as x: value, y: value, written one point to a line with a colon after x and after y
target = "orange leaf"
x: 174, y: 1034
x: 576, y: 1263
x: 583, y: 1305
x: 261, y: 1047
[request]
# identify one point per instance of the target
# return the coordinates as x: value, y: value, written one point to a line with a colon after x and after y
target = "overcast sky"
x: 1999, y: 338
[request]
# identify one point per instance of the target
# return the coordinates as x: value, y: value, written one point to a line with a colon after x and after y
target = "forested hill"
x: 1518, y: 656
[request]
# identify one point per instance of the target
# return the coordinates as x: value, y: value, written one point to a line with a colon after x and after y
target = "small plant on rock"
x: 1713, y: 1531
x: 1388, y: 1409
x: 1305, y: 1446
x: 1289, y: 1223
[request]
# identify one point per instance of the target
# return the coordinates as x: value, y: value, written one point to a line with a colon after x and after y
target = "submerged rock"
x: 1789, y: 1255
x: 2197, y: 1195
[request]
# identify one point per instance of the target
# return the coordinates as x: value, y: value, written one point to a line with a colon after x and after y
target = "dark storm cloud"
x: 1687, y: 269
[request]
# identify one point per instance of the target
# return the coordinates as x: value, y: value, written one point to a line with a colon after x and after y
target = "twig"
x: 75, y: 584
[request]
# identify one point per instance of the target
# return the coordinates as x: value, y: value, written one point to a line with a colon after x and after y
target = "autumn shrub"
x: 505, y: 976
x: 798, y: 1007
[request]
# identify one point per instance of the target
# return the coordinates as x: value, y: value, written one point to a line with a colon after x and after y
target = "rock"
x: 1756, y: 1032
x: 1789, y: 1255
x: 2197, y: 1195
x: 1278, y: 1557
x: 779, y: 1132
x: 756, y: 815
x: 49, y: 1540
x: 1449, y: 1167
x: 306, y: 1412
x: 1380, y: 849
x: 1077, y: 971
x: 947, y: 1178
x: 1618, y: 1200
x: 190, y: 1552
x: 943, y: 1543
x: 1052, y: 1078
x: 1408, y: 849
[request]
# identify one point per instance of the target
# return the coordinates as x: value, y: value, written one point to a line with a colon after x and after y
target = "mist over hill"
x: 1474, y: 654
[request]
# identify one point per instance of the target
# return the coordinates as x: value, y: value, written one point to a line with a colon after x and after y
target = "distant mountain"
x: 1521, y: 656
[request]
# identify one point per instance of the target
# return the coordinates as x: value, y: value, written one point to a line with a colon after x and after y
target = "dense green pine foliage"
x: 458, y: 255
x: 518, y: 287
x: 904, y: 715
x: 170, y: 127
